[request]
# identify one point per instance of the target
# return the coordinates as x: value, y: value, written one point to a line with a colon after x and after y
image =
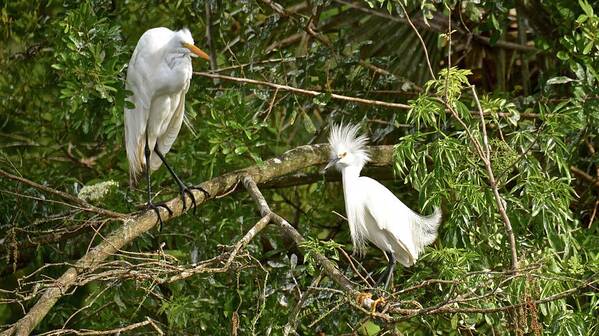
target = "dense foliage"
x: 526, y: 70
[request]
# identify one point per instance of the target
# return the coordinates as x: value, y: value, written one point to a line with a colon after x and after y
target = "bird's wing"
x: 392, y: 217
x: 136, y: 118
x: 166, y: 140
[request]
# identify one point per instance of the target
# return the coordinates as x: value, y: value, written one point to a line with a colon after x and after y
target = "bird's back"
x: 394, y: 227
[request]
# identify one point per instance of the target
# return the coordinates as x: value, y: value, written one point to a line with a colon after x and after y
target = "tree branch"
x: 441, y: 28
x: 117, y: 331
x: 291, y: 161
x: 498, y: 199
x: 583, y: 175
x: 303, y: 178
x: 452, y: 308
x: 68, y: 197
x: 329, y: 267
x: 305, y: 92
x: 334, y: 95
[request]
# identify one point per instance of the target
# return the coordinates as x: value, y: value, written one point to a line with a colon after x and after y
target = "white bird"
x: 158, y: 76
x: 373, y: 211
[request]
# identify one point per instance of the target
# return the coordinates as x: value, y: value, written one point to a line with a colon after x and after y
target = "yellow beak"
x: 197, y: 51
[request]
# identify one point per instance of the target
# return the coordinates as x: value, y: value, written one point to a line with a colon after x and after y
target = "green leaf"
x: 308, y: 124
x: 560, y: 80
x: 369, y: 328
x: 322, y: 99
x: 563, y: 55
x: 586, y: 7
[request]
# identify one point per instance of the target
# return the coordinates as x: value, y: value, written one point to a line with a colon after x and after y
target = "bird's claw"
x: 185, y: 190
x: 206, y: 194
x: 188, y: 190
x: 156, y: 209
x: 375, y: 303
x: 361, y: 297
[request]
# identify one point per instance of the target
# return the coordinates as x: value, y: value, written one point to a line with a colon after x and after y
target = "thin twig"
x: 305, y: 92
x: 261, y: 224
x: 81, y: 203
x: 498, y: 199
x: 87, y: 332
x: 428, y: 61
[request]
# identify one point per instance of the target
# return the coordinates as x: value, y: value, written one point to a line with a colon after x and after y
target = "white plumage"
x: 158, y: 77
x: 373, y: 212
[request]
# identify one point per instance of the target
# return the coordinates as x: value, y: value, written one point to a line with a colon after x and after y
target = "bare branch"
x: 452, y: 308
x: 329, y: 267
x: 261, y: 224
x: 583, y: 175
x: 498, y: 199
x: 293, y: 160
x: 81, y: 203
x: 86, y: 332
x: 428, y: 61
x: 305, y: 92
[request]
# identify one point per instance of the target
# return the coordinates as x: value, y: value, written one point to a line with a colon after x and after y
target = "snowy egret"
x: 373, y: 212
x: 158, y: 76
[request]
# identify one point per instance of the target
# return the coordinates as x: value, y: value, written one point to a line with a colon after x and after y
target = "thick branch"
x: 291, y: 161
x: 329, y: 268
x: 583, y: 175
x: 303, y: 178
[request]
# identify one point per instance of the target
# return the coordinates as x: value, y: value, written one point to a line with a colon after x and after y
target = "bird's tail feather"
x: 426, y: 228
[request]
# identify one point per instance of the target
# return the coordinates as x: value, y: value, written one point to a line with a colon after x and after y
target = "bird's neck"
x: 175, y: 59
x: 350, y: 174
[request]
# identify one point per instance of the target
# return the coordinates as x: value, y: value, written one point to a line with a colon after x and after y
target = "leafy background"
x: 534, y: 65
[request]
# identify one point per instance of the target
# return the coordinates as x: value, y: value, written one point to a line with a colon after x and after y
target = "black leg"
x: 388, y: 273
x: 183, y: 189
x: 391, y: 269
x: 384, y: 275
x: 150, y: 204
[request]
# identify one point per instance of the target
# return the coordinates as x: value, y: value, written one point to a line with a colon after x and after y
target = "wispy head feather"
x: 345, y: 138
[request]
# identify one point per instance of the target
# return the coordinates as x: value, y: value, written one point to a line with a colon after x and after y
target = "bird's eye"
x: 343, y: 154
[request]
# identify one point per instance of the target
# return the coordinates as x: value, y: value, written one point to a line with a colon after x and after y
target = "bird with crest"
x: 373, y: 212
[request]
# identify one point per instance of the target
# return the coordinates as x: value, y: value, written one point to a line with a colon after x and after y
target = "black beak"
x: 330, y: 164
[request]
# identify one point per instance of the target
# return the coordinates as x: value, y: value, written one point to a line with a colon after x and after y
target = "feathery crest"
x: 345, y: 138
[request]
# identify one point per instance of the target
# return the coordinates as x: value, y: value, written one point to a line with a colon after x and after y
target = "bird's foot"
x: 206, y: 194
x: 183, y: 190
x: 361, y: 297
x: 375, y: 303
x: 156, y: 208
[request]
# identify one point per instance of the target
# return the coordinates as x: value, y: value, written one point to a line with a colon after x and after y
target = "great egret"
x: 159, y: 74
x: 373, y: 212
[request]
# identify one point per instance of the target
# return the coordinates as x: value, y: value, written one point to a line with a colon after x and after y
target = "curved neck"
x: 349, y: 174
x: 351, y: 171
